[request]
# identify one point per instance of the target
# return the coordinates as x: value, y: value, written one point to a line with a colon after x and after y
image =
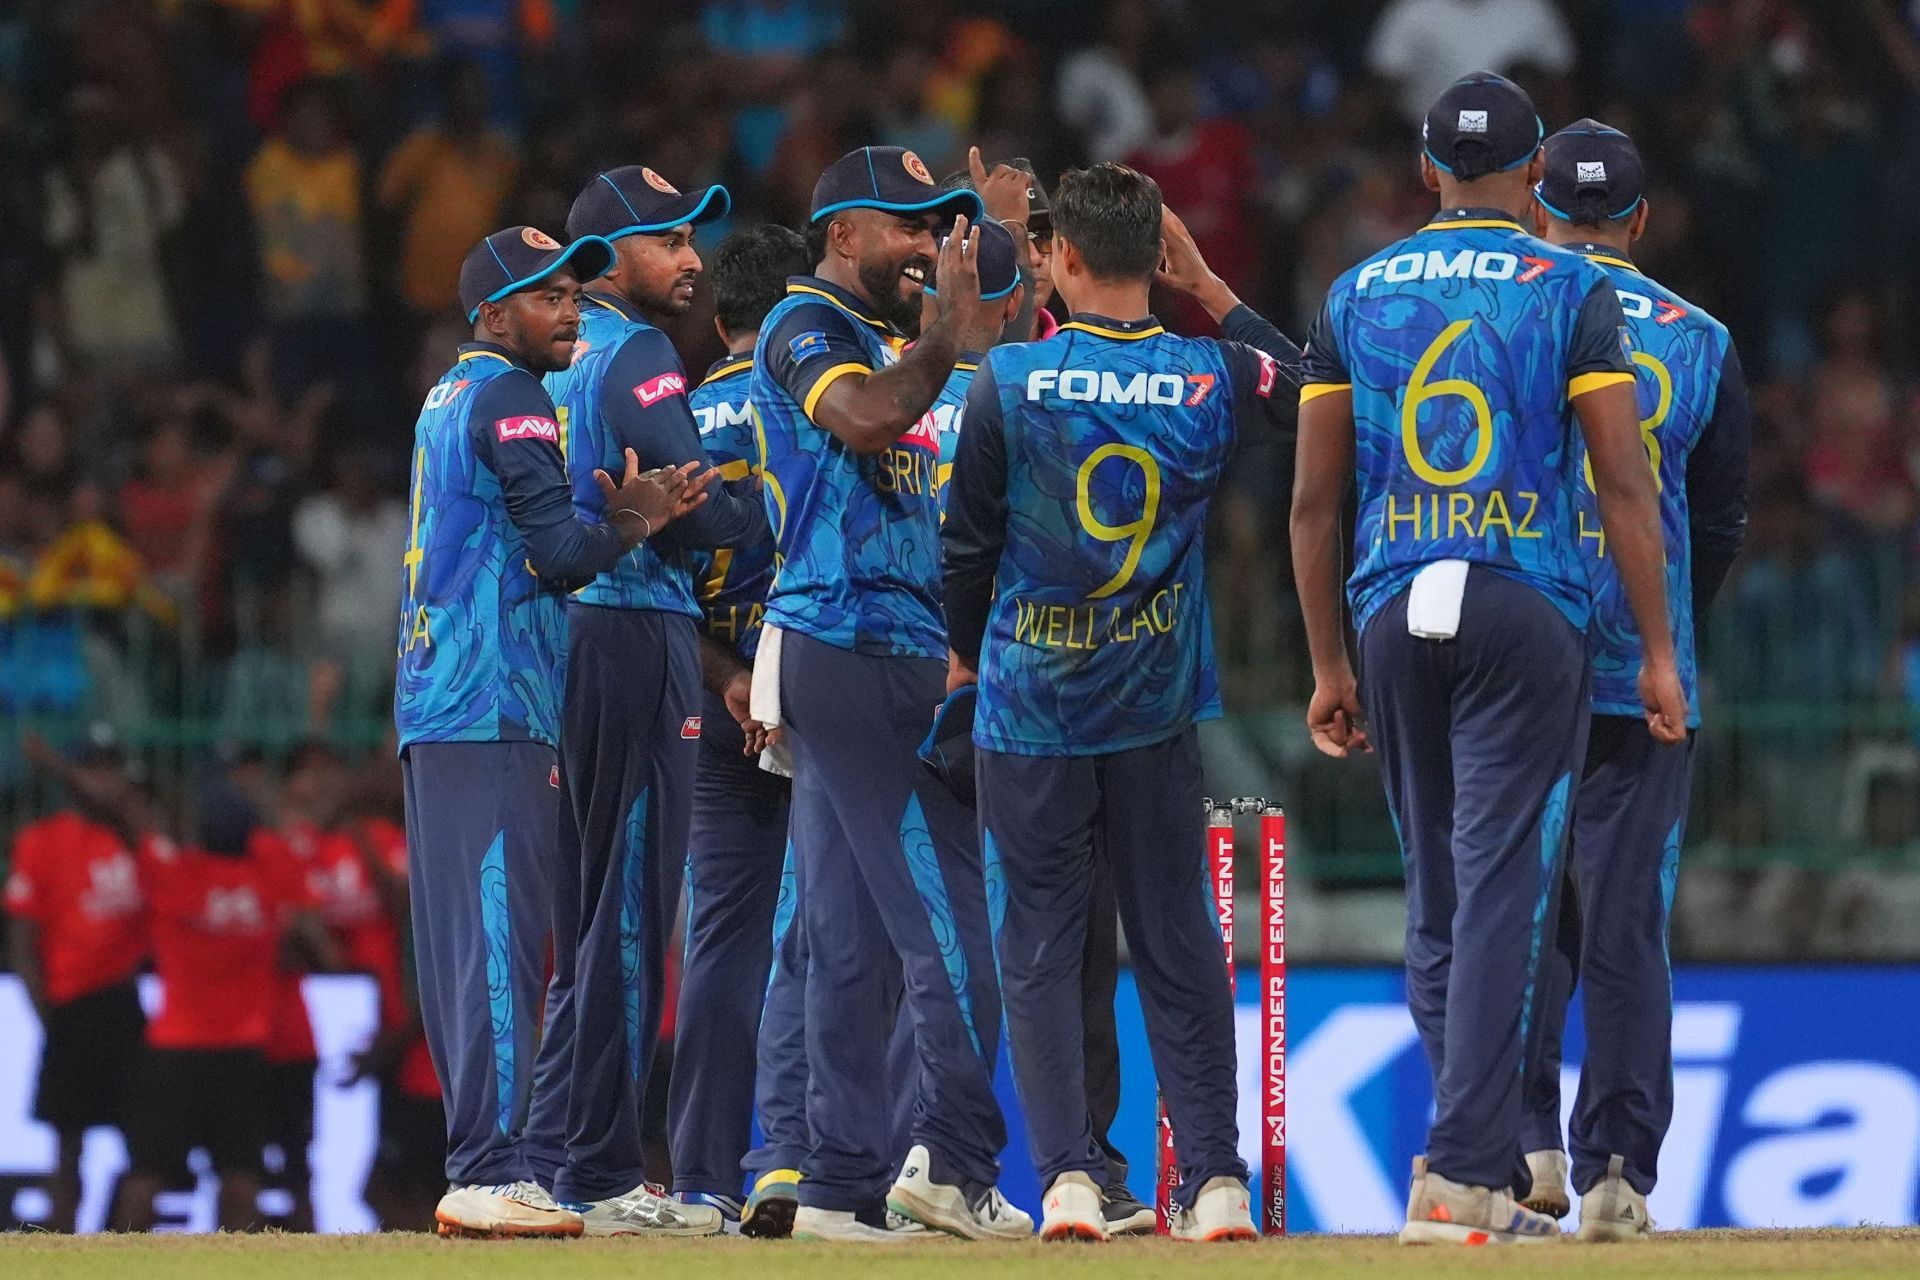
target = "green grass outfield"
x: 1699, y: 1255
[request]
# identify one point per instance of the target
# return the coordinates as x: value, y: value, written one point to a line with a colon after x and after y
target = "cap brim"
x: 596, y: 257
x: 701, y: 207
x: 962, y: 201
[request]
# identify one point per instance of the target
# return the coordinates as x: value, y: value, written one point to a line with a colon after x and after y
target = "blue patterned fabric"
x: 732, y: 584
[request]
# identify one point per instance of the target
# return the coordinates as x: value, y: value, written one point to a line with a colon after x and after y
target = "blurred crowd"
x: 230, y: 232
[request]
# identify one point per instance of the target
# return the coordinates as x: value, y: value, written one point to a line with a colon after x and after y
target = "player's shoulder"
x: 1644, y: 298
x: 728, y: 379
x: 512, y: 390
x: 1553, y: 264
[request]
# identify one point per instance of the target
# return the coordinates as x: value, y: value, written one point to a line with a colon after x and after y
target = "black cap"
x: 521, y: 257
x: 1593, y: 174
x: 634, y: 200
x: 99, y: 747
x: 889, y: 178
x: 1482, y: 124
x: 948, y: 750
x: 999, y: 262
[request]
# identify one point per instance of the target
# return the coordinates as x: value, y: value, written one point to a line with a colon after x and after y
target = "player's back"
x: 1099, y: 639
x: 1678, y: 354
x: 1462, y: 344
x: 732, y: 581
x: 479, y: 633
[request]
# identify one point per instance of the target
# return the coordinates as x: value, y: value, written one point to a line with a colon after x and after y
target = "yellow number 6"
x: 1137, y: 530
x: 1662, y: 406
x: 1419, y: 391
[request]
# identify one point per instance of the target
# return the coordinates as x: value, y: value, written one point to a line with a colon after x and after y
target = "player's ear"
x: 1537, y: 167
x: 1014, y: 299
x: 1638, y: 226
x: 493, y: 318
x: 1429, y: 173
x: 719, y: 327
x: 1537, y: 215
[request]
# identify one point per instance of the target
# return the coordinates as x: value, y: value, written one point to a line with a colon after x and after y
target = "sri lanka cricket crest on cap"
x: 913, y: 165
x: 658, y: 183
x: 538, y: 239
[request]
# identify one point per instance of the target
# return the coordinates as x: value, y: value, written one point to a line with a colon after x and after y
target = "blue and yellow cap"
x: 634, y: 200
x: 521, y: 257
x: 892, y: 179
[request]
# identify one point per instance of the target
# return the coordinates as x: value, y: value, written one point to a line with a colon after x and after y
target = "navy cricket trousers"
x: 1480, y: 739
x: 1039, y: 819
x: 734, y: 863
x: 480, y: 831
x: 629, y: 740
x: 1628, y: 820
x: 891, y: 889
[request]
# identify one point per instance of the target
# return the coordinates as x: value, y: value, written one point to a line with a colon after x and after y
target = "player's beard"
x: 881, y: 280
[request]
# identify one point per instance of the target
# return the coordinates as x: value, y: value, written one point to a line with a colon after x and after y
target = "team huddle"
x: 886, y: 643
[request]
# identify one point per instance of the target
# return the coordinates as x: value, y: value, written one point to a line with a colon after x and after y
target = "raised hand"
x: 1003, y: 192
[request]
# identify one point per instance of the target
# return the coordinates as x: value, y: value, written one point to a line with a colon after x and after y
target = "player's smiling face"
x: 894, y: 254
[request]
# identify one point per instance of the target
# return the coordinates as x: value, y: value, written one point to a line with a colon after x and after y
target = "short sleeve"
x: 1322, y: 368
x: 811, y: 347
x: 1598, y: 356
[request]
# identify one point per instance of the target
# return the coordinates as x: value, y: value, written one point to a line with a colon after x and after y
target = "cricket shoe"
x: 505, y: 1211
x: 1441, y: 1211
x: 1223, y: 1211
x: 729, y: 1208
x: 1073, y: 1210
x: 770, y: 1205
x: 1124, y: 1213
x: 646, y: 1211
x: 1612, y: 1210
x: 1548, y: 1194
x: 945, y: 1207
x: 841, y: 1226
x: 901, y: 1225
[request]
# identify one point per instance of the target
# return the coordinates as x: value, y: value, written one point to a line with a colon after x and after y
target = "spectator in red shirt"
x: 77, y: 938
x: 1206, y: 167
x: 295, y: 856
x: 215, y: 922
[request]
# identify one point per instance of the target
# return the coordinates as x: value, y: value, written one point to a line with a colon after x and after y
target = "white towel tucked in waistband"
x: 1433, y: 606
x: 763, y: 702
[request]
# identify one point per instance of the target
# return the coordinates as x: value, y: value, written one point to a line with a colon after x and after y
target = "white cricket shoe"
x: 1072, y: 1210
x: 1222, y: 1211
x: 944, y: 1207
x: 503, y: 1211
x: 1548, y: 1194
x: 1612, y: 1210
x: 840, y: 1226
x: 647, y: 1211
x: 1441, y: 1211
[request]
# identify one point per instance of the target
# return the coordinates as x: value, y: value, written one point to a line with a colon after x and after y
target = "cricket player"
x: 1439, y: 379
x: 888, y: 868
x: 1630, y: 806
x: 631, y: 704
x: 494, y: 544
x: 1074, y: 588
x: 737, y: 850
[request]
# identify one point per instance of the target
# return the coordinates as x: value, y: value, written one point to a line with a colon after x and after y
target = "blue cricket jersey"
x: 1077, y: 507
x: 1694, y: 423
x: 732, y: 583
x: 626, y: 390
x: 493, y: 546
x: 1463, y: 345
x: 946, y: 414
x: 858, y: 562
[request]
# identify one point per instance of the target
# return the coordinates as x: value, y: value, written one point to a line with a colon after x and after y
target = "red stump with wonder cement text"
x: 1220, y: 866
x: 1272, y: 1216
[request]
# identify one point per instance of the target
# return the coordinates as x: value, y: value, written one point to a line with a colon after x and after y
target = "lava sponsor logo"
x: 654, y: 390
x: 527, y: 429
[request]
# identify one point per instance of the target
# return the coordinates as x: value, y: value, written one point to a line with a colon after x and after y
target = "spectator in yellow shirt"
x: 446, y: 182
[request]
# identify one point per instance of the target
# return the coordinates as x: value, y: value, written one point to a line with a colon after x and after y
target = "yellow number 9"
x: 1419, y: 391
x: 1138, y: 531
x: 1662, y: 406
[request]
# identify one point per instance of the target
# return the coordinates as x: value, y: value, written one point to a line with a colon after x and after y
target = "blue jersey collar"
x: 727, y: 366
x: 847, y: 301
x: 1472, y: 217
x: 1601, y: 253
x: 613, y: 302
x: 490, y: 350
x: 1108, y: 327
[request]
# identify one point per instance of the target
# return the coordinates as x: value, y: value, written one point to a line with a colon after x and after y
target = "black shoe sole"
x: 771, y: 1219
